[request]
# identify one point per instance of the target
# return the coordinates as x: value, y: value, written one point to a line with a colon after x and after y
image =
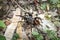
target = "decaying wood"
x: 11, y: 28
x: 19, y: 30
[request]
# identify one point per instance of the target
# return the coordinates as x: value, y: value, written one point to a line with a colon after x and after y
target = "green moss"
x: 37, y: 35
x: 2, y: 24
x: 2, y: 37
x: 15, y: 36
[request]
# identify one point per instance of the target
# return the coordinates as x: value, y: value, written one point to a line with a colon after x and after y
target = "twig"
x: 20, y: 7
